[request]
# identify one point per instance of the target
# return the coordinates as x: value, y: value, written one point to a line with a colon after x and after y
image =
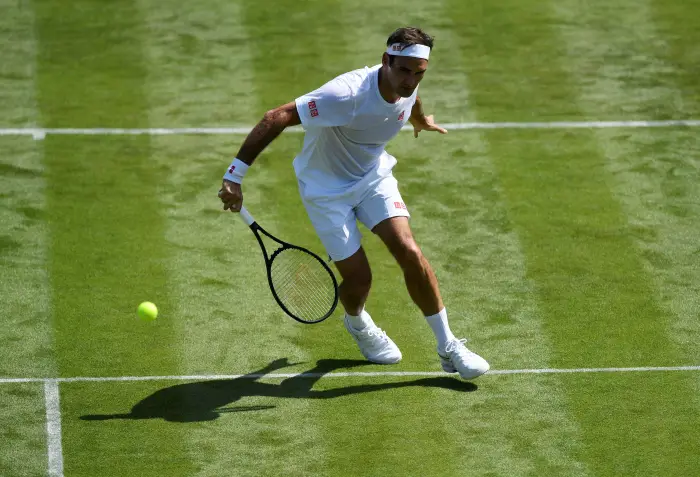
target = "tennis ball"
x: 147, y: 311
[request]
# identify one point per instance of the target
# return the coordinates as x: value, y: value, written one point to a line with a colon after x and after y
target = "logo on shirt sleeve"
x: 401, y: 116
x: 312, y: 108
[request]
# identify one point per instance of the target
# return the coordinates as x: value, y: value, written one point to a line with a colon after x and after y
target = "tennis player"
x: 344, y: 175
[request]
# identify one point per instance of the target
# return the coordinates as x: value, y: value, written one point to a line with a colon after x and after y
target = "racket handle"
x: 246, y: 217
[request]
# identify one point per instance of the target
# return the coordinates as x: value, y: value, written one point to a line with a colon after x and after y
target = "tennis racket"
x: 301, y: 282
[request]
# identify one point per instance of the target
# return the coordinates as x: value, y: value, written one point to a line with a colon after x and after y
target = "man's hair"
x: 409, y: 36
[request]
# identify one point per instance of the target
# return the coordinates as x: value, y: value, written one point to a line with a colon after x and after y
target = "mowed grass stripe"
x: 655, y: 174
x: 25, y: 314
x: 224, y: 307
x: 290, y: 58
x: 26, y: 336
x: 206, y: 270
x: 17, y: 68
x: 107, y: 232
x: 201, y: 65
x: 676, y: 22
x: 199, y: 71
x: 641, y: 81
x: 596, y: 299
x: 293, y: 53
x: 23, y: 430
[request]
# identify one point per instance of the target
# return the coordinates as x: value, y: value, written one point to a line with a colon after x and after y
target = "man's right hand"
x: 231, y: 195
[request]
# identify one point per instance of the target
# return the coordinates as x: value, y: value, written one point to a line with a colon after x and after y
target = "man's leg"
x: 422, y: 285
x: 336, y: 226
x: 357, y: 280
x: 421, y: 282
x: 374, y: 344
x: 383, y: 211
x: 420, y: 278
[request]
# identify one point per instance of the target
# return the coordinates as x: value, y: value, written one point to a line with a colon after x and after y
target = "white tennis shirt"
x: 347, y: 125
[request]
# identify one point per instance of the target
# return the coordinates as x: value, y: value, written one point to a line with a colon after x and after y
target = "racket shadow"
x: 207, y: 400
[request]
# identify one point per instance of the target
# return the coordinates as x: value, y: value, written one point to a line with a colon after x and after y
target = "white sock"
x: 360, y: 322
x: 438, y: 323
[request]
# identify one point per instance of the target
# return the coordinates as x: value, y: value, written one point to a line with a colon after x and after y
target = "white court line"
x: 40, y: 133
x: 53, y: 412
x: 339, y: 375
x: 53, y: 407
x: 53, y: 427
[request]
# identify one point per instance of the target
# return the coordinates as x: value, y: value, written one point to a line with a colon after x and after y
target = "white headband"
x: 416, y: 51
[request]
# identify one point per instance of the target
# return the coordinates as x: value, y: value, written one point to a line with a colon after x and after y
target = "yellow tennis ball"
x: 147, y: 311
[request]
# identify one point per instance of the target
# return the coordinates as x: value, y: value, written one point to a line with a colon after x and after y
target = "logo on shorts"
x: 312, y: 107
x: 401, y: 116
x: 400, y: 205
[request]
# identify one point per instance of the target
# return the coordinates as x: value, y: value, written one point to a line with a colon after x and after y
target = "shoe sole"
x: 448, y: 368
x: 383, y: 362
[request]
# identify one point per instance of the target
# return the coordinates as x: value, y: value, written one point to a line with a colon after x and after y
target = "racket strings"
x: 304, y: 293
x: 303, y: 285
x: 303, y: 288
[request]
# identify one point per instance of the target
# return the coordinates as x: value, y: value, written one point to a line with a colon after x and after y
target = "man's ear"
x: 385, y: 59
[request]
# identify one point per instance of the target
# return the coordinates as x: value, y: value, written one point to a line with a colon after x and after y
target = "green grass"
x: 22, y: 424
x: 553, y: 248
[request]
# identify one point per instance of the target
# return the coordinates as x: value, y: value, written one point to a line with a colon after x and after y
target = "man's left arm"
x: 421, y: 122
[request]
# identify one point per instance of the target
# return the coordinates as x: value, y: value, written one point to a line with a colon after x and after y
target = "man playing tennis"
x: 344, y: 175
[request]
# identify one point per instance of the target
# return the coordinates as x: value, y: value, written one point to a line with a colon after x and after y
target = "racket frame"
x: 256, y: 228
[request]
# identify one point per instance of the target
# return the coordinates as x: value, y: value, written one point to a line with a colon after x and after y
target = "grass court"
x: 556, y: 248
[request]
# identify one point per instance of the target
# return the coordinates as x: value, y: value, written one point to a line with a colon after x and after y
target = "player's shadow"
x: 206, y: 400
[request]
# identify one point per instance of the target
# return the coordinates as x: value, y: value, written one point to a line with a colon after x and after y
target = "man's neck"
x: 385, y: 88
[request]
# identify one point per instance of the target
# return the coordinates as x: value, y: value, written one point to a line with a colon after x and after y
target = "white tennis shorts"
x: 335, y: 216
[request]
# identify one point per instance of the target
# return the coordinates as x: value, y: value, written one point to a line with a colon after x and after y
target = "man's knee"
x: 356, y: 273
x: 359, y: 281
x: 408, y: 254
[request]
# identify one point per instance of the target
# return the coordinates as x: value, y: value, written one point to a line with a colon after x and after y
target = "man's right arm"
x: 333, y: 104
x: 272, y: 124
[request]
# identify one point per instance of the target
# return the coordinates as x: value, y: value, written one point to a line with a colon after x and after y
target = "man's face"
x: 404, y: 73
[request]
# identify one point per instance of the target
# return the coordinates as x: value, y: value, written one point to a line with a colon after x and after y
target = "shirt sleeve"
x: 333, y: 104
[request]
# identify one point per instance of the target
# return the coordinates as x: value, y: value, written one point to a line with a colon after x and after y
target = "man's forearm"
x: 262, y: 134
x: 417, y: 111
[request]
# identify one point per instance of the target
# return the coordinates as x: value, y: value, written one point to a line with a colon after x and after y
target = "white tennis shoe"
x: 374, y: 344
x: 458, y: 359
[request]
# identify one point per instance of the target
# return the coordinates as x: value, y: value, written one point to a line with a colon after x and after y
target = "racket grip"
x: 246, y: 217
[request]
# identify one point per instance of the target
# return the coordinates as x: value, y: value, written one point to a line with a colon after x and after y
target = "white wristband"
x: 236, y: 171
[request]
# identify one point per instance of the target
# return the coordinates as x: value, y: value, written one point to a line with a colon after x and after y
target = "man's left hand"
x: 426, y: 125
